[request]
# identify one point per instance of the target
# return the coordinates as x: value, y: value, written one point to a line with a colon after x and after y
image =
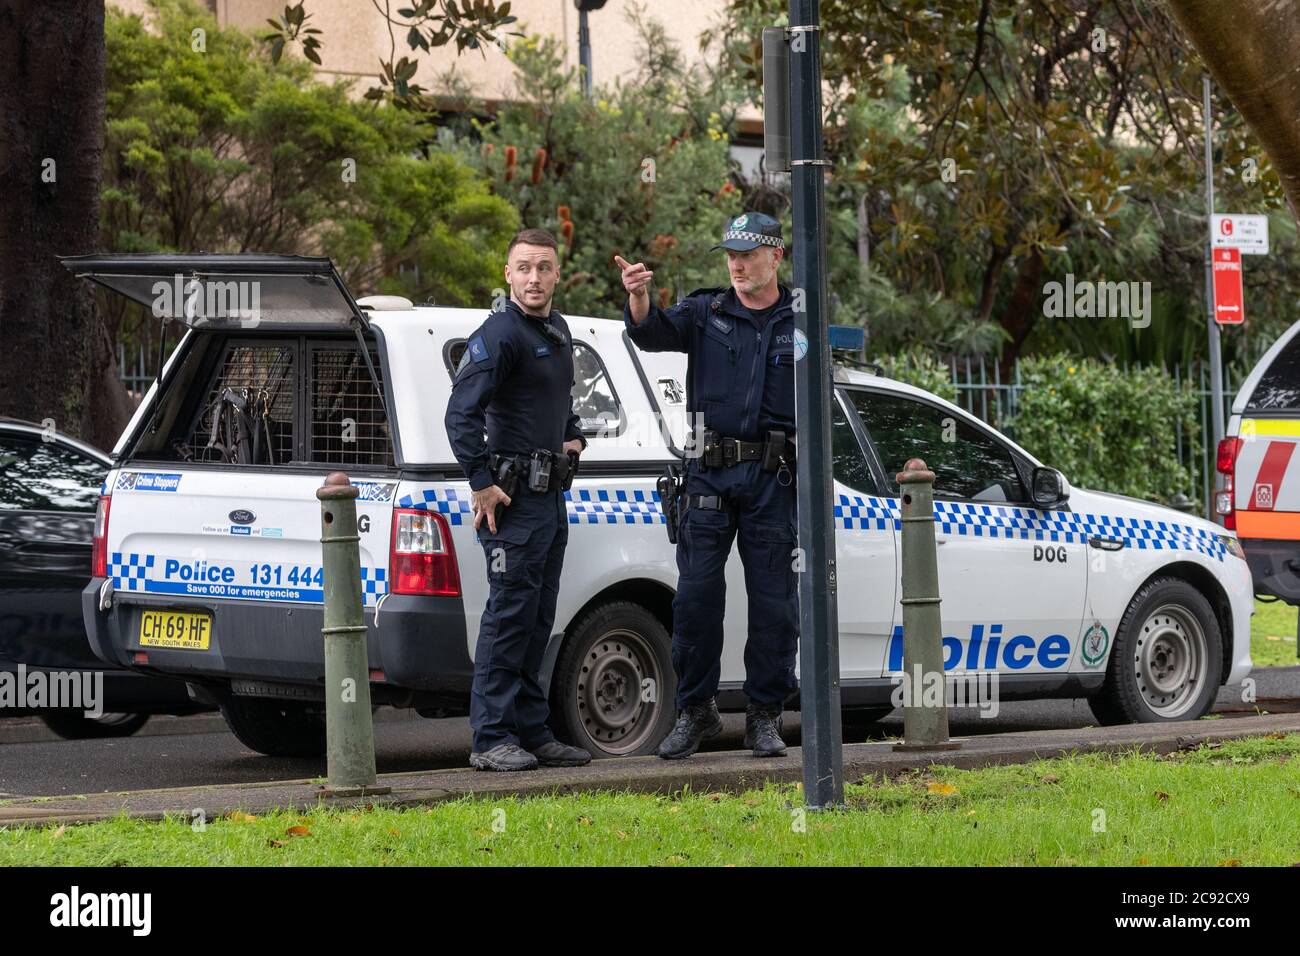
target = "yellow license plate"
x: 184, y: 629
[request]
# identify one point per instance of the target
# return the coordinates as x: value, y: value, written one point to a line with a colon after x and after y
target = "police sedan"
x: 207, y: 545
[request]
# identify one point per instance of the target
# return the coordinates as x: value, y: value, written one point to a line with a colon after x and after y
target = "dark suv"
x: 49, y: 485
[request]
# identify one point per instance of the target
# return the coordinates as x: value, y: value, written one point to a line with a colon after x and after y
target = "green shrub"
x: 1107, y: 428
x: 922, y: 369
x: 224, y: 151
x: 641, y: 169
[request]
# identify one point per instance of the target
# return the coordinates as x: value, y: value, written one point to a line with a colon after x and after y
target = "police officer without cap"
x: 515, y: 380
x: 740, y: 384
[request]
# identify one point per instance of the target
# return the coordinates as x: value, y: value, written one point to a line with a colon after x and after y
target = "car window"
x: 452, y: 352
x: 967, y: 462
x: 595, y: 401
x: 38, y: 475
x: 1279, y: 386
x: 848, y: 463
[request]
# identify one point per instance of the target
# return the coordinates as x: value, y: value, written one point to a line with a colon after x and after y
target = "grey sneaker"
x: 556, y: 754
x: 504, y: 757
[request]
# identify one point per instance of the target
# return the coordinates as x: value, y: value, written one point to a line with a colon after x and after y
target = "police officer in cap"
x: 739, y: 482
x: 514, y: 382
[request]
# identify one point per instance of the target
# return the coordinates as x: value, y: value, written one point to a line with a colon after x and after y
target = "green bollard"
x: 924, y: 728
x: 349, y: 732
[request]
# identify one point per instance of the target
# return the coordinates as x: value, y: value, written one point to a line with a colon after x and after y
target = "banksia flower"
x: 512, y: 155
x: 564, y: 213
x: 662, y: 245
x: 566, y: 230
x: 539, y: 163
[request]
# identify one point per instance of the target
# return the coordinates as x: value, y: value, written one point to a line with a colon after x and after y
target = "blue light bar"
x: 848, y: 338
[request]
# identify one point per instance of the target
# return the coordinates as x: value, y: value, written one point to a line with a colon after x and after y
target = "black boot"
x: 763, y: 730
x: 695, y: 724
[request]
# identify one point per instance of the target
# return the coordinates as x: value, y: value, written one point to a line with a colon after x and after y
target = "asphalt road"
x: 193, y: 751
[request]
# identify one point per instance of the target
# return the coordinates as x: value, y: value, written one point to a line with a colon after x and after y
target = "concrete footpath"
x: 727, y: 771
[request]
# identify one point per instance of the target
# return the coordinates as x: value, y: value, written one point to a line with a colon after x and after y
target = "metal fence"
x: 983, y: 393
x: 136, y: 370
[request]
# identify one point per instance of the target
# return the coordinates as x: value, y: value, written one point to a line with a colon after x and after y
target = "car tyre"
x: 74, y: 725
x: 276, y: 728
x: 1167, y: 661
x: 857, y: 723
x: 616, y: 656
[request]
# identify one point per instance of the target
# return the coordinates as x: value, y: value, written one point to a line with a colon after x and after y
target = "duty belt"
x: 542, y: 470
x: 722, y: 452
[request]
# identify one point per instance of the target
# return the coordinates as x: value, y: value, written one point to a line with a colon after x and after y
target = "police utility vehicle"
x: 1260, y: 497
x: 207, y: 557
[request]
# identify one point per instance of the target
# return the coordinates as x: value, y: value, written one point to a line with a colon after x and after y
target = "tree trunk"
x: 1023, y: 308
x: 57, y: 358
x: 1252, y: 48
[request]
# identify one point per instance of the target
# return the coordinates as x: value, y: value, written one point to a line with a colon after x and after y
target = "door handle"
x: 1108, y: 544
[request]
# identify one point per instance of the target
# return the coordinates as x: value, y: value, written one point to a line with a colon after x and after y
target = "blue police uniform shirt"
x: 515, y: 384
x: 740, y: 370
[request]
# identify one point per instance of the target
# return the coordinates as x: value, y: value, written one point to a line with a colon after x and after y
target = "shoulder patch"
x: 477, y: 350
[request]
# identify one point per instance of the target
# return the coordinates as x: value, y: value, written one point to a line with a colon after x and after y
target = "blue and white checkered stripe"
x: 869, y: 513
x: 129, y: 571
x: 1006, y: 521
x: 866, y: 514
x: 584, y: 505
x: 452, y: 503
x: 613, y: 506
x: 374, y: 584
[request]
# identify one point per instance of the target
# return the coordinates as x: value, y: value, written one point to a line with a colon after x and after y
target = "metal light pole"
x: 584, y: 41
x: 819, y: 650
x: 1216, y: 355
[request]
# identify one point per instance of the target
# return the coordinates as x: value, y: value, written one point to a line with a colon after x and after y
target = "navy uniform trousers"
x: 524, y: 560
x: 759, y: 511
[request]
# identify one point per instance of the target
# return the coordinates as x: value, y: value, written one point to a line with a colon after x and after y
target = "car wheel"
x: 74, y: 725
x: 1167, y: 660
x: 277, y: 728
x: 857, y: 723
x: 614, y: 686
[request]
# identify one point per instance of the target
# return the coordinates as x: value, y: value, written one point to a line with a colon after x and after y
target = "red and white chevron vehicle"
x: 1260, y: 498
x: 207, y: 543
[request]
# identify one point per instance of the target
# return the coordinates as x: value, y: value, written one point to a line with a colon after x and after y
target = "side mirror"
x: 1049, y: 489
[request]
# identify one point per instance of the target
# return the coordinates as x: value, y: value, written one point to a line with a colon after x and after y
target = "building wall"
x: 355, y: 37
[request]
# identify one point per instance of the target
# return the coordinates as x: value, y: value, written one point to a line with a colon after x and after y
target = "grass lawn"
x: 1272, y: 635
x: 1238, y: 803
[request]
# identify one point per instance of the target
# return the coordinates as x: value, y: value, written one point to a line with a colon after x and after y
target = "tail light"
x: 422, y: 559
x: 1227, y: 457
x: 99, y: 549
x: 1226, y: 465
